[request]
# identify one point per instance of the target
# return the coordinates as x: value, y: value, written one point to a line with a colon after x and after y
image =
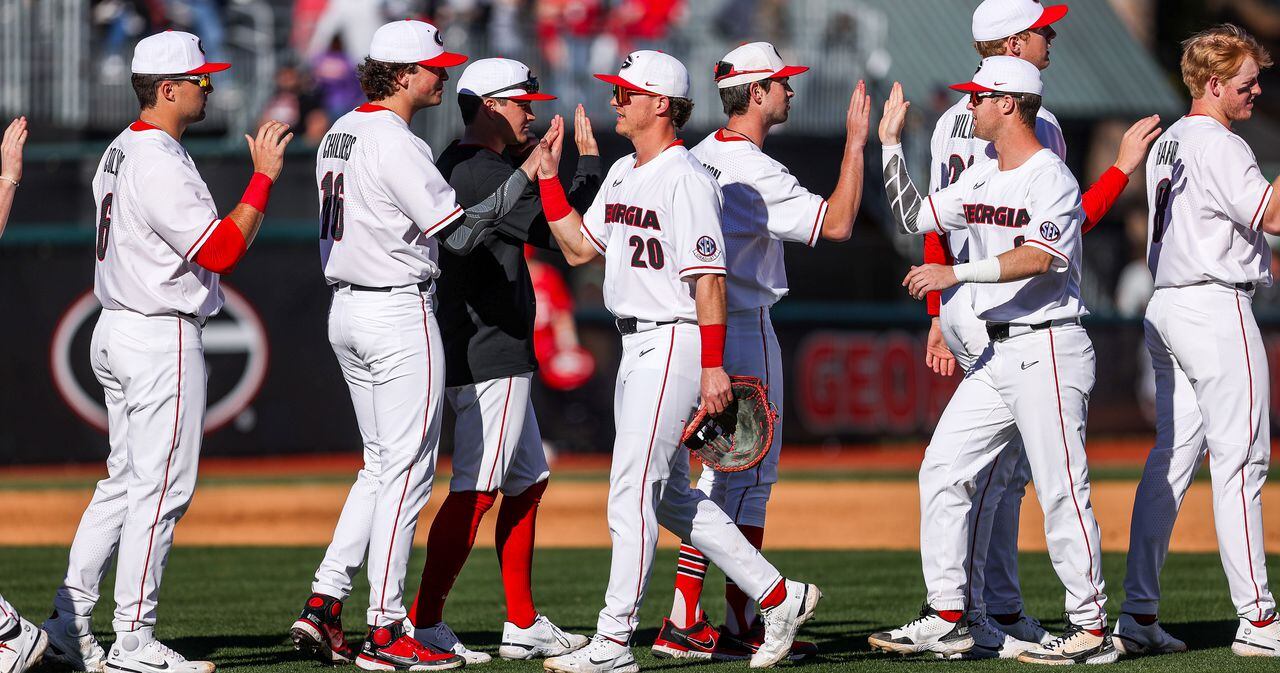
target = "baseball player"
x: 657, y: 223
x: 22, y: 644
x: 1021, y: 28
x: 1022, y: 213
x: 764, y: 205
x: 383, y: 205
x: 1209, y: 206
x: 161, y: 249
x: 486, y: 316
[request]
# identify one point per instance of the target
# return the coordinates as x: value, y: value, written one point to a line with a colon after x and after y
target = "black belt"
x: 424, y: 286
x: 998, y: 331
x: 1244, y: 287
x: 632, y: 325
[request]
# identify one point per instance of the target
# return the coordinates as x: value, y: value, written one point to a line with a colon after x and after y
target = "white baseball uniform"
x: 381, y: 201
x: 1034, y: 382
x: 1206, y: 253
x: 154, y: 213
x: 496, y: 415
x: 993, y: 576
x: 658, y: 227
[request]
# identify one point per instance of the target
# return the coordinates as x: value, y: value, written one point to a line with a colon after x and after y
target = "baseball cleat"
x: 697, y: 641
x: 1257, y: 641
x: 22, y: 647
x: 782, y: 621
x: 1074, y: 646
x: 71, y: 644
x: 139, y: 652
x: 739, y: 647
x: 542, y: 639
x: 318, y: 631
x: 600, y: 655
x: 1133, y: 639
x: 389, y: 648
x: 990, y: 642
x: 1026, y: 629
x: 927, y: 633
x: 442, y: 638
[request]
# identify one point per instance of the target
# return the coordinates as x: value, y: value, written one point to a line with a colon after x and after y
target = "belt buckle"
x: 998, y: 331
x: 626, y: 325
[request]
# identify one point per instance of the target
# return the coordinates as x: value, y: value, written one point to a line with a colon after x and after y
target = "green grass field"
x: 234, y: 606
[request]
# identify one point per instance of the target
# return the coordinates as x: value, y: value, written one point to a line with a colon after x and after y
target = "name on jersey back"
x: 338, y: 146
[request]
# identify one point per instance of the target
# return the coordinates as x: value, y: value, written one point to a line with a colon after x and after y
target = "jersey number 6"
x: 104, y: 225
x: 654, y: 249
x: 331, y: 206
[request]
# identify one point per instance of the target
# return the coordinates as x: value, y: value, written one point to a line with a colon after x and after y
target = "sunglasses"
x: 203, y: 81
x: 975, y: 97
x: 724, y: 69
x: 623, y: 95
x: 529, y: 85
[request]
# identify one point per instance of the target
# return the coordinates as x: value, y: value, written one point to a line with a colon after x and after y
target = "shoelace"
x: 444, y: 634
x: 1072, y: 631
x: 166, y: 652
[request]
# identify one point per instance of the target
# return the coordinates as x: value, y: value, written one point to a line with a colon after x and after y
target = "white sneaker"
x: 1257, y: 641
x: 600, y: 655
x: 782, y: 621
x: 1026, y: 629
x: 71, y: 643
x: 1074, y: 646
x: 1133, y: 639
x: 990, y: 642
x: 542, y: 639
x: 927, y: 633
x: 444, y: 639
x: 22, y: 647
x: 140, y: 652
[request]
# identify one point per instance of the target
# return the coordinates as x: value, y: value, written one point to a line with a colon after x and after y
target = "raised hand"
x: 895, y: 116
x: 11, y: 150
x: 532, y: 160
x: 267, y: 149
x: 857, y: 121
x: 582, y: 135
x: 552, y: 146
x: 1135, y: 143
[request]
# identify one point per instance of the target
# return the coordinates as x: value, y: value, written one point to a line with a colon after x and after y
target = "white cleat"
x: 442, y: 638
x: 1074, y: 646
x: 927, y: 633
x: 1026, y: 629
x: 600, y: 655
x: 542, y: 639
x: 782, y: 621
x: 140, y: 652
x: 71, y: 644
x: 990, y: 642
x: 1257, y: 641
x: 1133, y: 639
x: 22, y: 647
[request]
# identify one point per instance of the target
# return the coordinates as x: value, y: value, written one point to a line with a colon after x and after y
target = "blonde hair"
x: 989, y: 48
x: 1218, y: 52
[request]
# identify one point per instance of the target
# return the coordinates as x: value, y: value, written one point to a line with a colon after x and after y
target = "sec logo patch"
x: 706, y: 249
x: 1050, y: 231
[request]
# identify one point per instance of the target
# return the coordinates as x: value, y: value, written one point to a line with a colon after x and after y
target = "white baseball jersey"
x: 381, y: 201
x: 662, y: 223
x: 154, y: 213
x: 764, y: 205
x: 1037, y: 203
x: 1206, y: 197
x: 954, y: 150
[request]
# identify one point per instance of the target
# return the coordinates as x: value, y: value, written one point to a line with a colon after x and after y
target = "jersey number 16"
x: 331, y: 206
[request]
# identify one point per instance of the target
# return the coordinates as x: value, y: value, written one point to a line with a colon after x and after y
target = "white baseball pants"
x: 1037, y: 384
x: 496, y: 441
x: 152, y: 371
x: 1212, y: 396
x: 389, y: 349
x: 659, y: 379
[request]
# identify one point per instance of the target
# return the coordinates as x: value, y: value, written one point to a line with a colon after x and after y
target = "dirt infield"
x: 803, y: 515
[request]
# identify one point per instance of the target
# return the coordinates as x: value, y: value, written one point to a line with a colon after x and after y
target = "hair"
x: 1218, y: 52
x: 1028, y: 108
x: 144, y: 87
x: 378, y: 78
x: 680, y: 109
x: 469, y: 106
x: 989, y: 48
x: 737, y: 99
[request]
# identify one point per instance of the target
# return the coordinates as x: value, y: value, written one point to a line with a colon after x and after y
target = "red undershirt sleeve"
x: 934, y: 253
x: 224, y: 249
x: 1101, y: 196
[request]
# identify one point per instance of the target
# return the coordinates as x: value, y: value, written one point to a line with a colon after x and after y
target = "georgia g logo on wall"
x: 1050, y: 231
x: 235, y: 347
x: 706, y: 249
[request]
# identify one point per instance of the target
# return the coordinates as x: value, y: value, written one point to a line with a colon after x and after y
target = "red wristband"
x: 555, y: 205
x: 712, y: 345
x: 257, y: 193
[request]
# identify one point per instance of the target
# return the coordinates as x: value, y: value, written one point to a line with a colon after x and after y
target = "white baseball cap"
x: 651, y: 72
x: 172, y: 52
x: 998, y: 19
x: 753, y: 62
x: 1005, y: 74
x: 412, y: 41
x: 500, y: 78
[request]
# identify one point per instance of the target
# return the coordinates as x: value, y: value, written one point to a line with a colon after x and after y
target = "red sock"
x: 1264, y: 623
x: 691, y: 570
x: 453, y: 533
x: 1096, y: 632
x: 739, y: 612
x: 514, y: 537
x: 776, y: 595
x: 952, y: 616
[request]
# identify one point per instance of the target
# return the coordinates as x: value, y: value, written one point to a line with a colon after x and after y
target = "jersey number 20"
x: 331, y: 206
x: 653, y: 248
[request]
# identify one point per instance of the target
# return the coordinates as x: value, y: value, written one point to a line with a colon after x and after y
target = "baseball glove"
x: 739, y: 437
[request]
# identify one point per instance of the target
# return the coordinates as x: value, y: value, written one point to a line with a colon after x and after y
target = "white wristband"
x: 981, y: 271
